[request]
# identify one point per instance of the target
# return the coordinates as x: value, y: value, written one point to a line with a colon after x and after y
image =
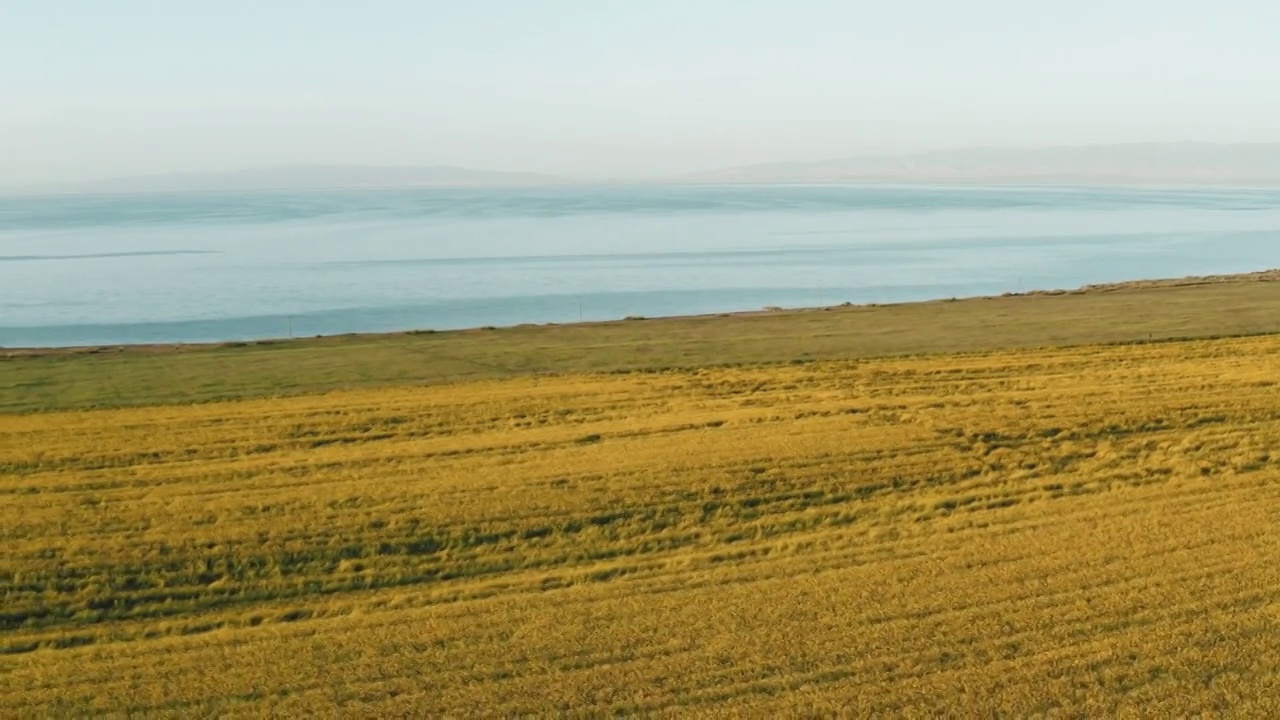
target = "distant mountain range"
x: 1143, y: 163
x: 305, y: 177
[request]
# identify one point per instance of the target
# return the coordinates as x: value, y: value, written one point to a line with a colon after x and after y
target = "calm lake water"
x: 79, y: 270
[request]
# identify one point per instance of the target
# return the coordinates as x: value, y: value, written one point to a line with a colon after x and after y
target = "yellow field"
x: 1084, y: 531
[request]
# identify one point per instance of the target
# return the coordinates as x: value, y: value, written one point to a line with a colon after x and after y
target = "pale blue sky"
x: 92, y: 88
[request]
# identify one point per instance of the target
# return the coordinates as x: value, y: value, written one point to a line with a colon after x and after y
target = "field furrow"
x: 1069, y: 531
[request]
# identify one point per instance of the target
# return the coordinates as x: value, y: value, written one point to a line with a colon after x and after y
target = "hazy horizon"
x: 598, y: 90
x: 1173, y: 164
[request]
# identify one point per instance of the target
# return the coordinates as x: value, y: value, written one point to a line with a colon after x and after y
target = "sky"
x: 613, y: 88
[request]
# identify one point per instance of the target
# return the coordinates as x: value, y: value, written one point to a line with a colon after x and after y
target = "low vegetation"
x: 1088, y: 531
x: 1137, y: 312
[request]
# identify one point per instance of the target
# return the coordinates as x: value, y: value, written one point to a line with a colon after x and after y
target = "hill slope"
x: 304, y: 177
x: 1155, y: 163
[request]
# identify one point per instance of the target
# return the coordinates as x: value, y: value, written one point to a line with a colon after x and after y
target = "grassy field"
x: 143, y: 376
x: 1084, y: 531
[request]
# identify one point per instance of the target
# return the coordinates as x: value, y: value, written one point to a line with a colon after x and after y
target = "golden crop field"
x: 1088, y: 531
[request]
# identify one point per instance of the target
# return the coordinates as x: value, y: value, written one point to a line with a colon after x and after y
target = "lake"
x: 99, y: 269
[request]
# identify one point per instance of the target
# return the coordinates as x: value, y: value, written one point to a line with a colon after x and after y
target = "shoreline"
x: 1136, y: 312
x: 1260, y: 276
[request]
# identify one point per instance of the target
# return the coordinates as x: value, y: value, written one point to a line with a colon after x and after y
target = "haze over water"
x: 88, y: 270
